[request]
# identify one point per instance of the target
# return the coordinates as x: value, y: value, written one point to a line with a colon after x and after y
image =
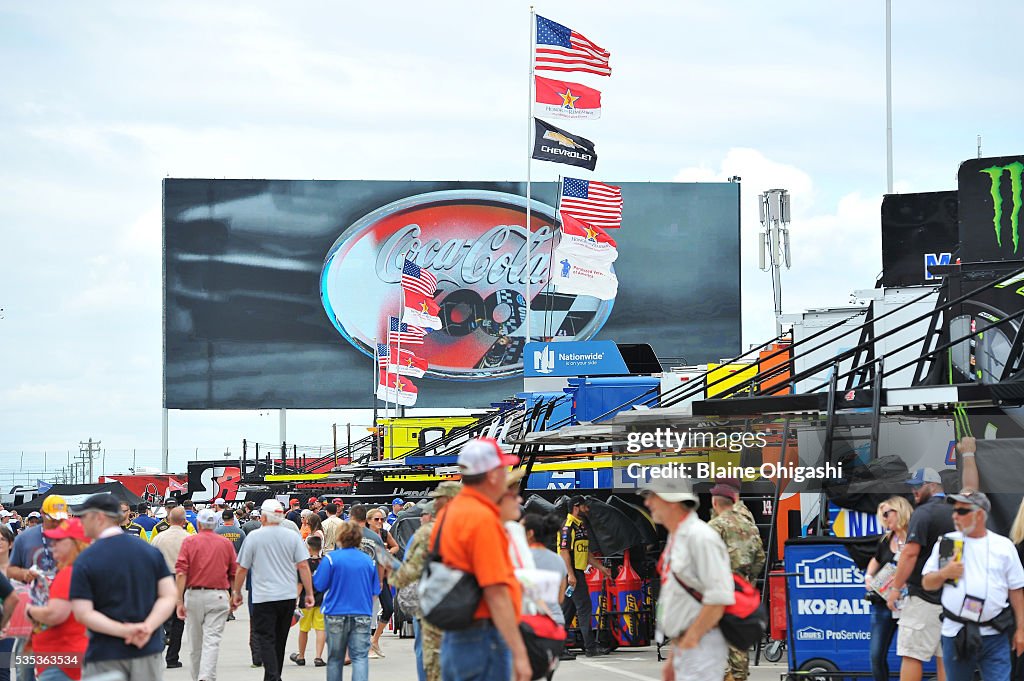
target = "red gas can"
x: 628, y: 602
x: 599, y: 598
x: 777, y: 604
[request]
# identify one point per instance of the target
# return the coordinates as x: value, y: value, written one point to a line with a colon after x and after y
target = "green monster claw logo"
x: 995, y: 174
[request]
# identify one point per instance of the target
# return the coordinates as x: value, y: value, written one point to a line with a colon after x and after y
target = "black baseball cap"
x: 104, y: 502
x: 577, y: 500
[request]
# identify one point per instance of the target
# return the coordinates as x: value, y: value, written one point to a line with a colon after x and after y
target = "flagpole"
x: 559, y: 189
x: 376, y: 382
x: 398, y: 348
x: 529, y: 157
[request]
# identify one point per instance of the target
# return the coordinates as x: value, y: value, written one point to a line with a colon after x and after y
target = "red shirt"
x: 64, y: 639
x: 473, y: 540
x: 207, y: 560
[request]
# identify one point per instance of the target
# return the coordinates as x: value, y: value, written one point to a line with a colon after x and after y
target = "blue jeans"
x: 883, y: 628
x: 352, y: 633
x: 993, y: 660
x: 52, y: 674
x: 475, y: 654
x: 417, y: 647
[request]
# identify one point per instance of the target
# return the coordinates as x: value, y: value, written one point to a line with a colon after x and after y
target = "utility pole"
x: 773, y: 251
x: 87, y: 451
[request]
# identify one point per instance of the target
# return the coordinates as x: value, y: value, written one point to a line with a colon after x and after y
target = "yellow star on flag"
x: 423, y: 307
x: 568, y: 101
x: 591, y: 233
x: 409, y: 363
x: 398, y: 384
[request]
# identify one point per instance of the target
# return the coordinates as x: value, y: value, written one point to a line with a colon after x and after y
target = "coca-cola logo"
x: 474, y: 242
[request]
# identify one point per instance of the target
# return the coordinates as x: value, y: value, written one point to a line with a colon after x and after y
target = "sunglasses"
x: 886, y: 513
x: 377, y: 520
x: 964, y: 511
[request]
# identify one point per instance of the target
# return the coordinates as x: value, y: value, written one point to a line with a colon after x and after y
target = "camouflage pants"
x: 739, y: 664
x: 431, y: 636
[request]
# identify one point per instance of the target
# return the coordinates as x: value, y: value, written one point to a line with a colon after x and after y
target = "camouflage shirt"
x: 415, y: 558
x: 742, y: 539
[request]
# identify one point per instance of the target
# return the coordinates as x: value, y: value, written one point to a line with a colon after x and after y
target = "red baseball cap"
x: 338, y: 501
x: 312, y: 499
x: 294, y: 502
x: 67, y: 529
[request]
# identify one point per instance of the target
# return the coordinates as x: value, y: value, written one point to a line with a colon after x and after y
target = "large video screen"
x: 276, y: 292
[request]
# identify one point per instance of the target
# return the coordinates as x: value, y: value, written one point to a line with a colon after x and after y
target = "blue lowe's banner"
x: 574, y: 358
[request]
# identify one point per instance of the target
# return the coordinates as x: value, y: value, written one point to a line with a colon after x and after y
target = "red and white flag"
x: 559, y: 48
x: 403, y: 362
x: 421, y: 311
x: 582, y: 261
x: 593, y: 202
x: 394, y: 388
x: 561, y: 99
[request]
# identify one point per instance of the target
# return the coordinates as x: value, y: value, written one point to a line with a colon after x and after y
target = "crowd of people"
x: 123, y: 587
x: 946, y: 585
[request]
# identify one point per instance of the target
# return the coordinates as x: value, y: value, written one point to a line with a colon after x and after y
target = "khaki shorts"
x: 920, y: 630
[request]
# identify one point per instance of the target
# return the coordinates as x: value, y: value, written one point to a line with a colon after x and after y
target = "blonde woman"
x: 62, y: 636
x: 893, y: 518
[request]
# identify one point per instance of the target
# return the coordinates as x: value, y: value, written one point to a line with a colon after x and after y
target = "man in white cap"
x: 472, y: 539
x: 273, y: 553
x: 203, y: 573
x: 695, y: 557
x: 920, y: 629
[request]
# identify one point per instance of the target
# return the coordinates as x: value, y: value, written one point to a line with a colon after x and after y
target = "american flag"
x: 406, y: 334
x: 593, y: 202
x: 383, y: 355
x: 559, y: 48
x: 415, y: 279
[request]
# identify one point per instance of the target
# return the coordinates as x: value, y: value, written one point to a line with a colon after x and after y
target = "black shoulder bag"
x: 448, y: 597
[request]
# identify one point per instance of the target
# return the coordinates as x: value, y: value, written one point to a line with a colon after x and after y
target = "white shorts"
x: 920, y: 630
x: 706, y: 661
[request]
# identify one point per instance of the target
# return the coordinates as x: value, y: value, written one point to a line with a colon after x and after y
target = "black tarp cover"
x: 611, y: 531
x: 76, y: 494
x: 864, y: 487
x: 1001, y: 478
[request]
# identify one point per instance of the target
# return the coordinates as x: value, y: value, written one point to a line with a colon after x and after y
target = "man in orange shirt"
x: 473, y: 540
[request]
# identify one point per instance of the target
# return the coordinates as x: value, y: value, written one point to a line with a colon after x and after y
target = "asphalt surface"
x: 399, y: 663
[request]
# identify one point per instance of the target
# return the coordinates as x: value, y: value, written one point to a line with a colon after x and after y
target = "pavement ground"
x: 639, y: 664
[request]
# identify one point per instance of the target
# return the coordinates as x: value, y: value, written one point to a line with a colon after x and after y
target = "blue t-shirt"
x: 146, y: 522
x: 32, y: 548
x: 119, y: 575
x: 349, y: 580
x: 193, y: 519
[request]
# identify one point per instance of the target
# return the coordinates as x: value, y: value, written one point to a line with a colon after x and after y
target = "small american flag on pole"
x: 405, y: 334
x: 415, y: 279
x: 559, y: 48
x: 593, y: 202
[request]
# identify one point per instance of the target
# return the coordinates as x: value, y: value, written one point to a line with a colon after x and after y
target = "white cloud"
x: 836, y: 246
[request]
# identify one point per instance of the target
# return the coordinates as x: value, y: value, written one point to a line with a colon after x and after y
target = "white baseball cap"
x: 161, y: 512
x: 483, y: 455
x: 207, y: 517
x: 218, y: 501
x: 271, y: 506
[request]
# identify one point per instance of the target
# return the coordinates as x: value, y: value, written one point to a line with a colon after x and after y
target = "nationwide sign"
x: 474, y: 243
x: 590, y: 358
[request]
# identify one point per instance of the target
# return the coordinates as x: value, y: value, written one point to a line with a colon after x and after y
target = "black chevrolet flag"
x: 557, y: 145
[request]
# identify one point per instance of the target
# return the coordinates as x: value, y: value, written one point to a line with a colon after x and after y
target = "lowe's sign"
x: 574, y: 358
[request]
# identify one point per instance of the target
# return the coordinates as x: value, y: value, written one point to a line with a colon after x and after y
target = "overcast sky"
x: 101, y: 100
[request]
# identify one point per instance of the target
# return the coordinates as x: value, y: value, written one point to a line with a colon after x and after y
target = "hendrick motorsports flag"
x: 421, y: 311
x: 558, y: 146
x: 394, y: 388
x: 562, y: 99
x: 582, y: 261
x: 400, y: 361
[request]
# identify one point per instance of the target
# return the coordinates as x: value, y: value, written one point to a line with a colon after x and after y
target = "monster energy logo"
x: 995, y: 175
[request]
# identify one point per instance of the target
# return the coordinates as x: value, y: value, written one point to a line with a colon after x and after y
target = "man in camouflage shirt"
x: 746, y: 552
x: 409, y: 574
